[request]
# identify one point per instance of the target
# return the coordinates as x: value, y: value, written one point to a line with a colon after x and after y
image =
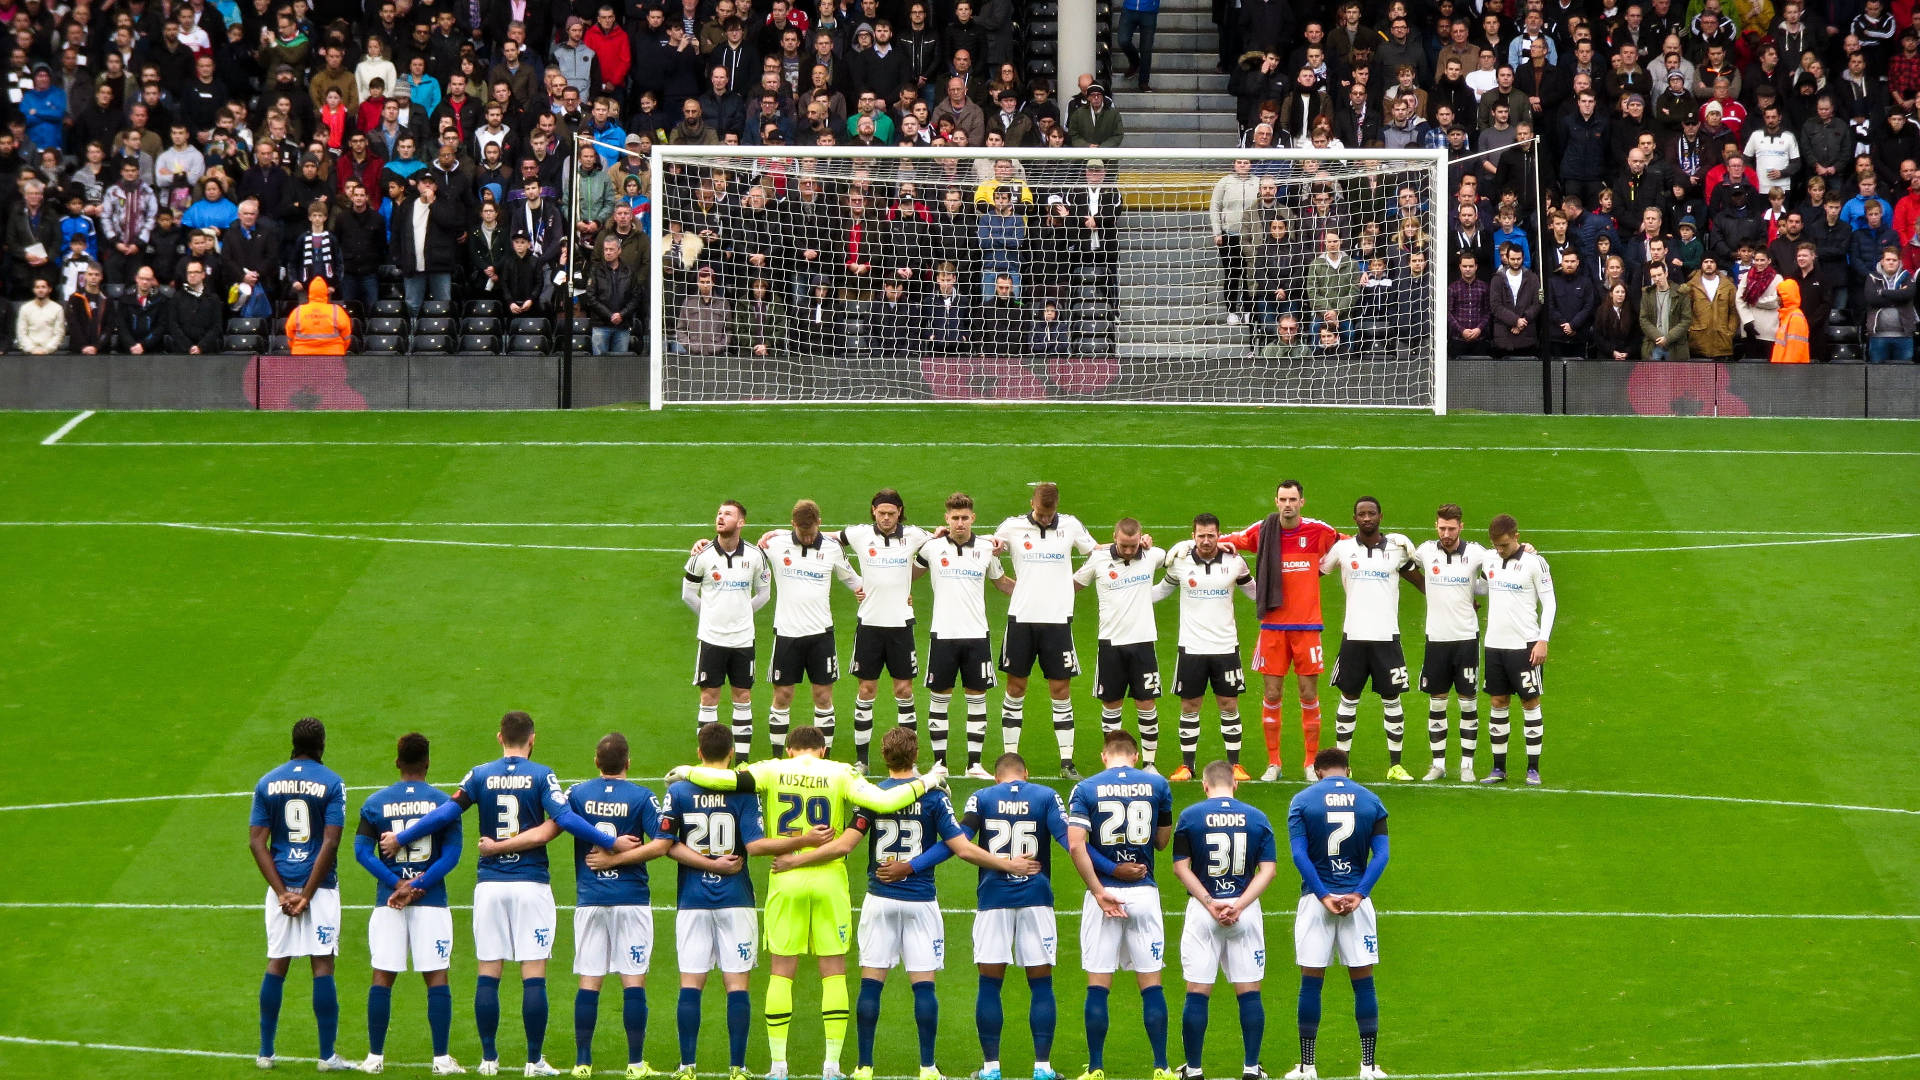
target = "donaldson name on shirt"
x: 311, y: 788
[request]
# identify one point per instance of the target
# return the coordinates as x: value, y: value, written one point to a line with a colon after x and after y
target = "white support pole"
x: 1079, y: 44
x: 1437, y: 270
x: 656, y: 285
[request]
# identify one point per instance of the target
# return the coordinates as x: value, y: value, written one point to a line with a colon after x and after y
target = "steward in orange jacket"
x: 1791, y: 345
x: 318, y: 328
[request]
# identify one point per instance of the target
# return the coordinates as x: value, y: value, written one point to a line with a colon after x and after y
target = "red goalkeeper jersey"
x: 1301, y: 548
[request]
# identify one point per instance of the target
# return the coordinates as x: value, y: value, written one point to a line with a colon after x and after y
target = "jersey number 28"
x: 1125, y: 822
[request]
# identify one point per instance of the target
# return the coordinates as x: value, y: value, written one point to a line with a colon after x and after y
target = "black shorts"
x: 1126, y: 671
x: 1194, y: 672
x: 810, y: 658
x: 718, y: 665
x: 1510, y: 675
x: 888, y: 648
x: 1357, y: 662
x: 968, y: 661
x: 1048, y: 644
x: 1451, y: 665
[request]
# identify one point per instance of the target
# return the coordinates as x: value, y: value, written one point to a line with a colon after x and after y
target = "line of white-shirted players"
x: 728, y: 579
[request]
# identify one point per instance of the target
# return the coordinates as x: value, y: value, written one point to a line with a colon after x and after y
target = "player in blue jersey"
x: 1124, y: 814
x: 513, y: 912
x: 613, y: 906
x: 1338, y: 832
x: 900, y: 919
x: 410, y: 915
x: 299, y: 812
x: 1224, y: 853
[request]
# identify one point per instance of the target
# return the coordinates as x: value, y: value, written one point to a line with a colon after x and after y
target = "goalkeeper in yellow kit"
x: 809, y: 908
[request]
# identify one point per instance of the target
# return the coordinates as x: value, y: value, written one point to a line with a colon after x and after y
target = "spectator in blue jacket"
x: 45, y: 110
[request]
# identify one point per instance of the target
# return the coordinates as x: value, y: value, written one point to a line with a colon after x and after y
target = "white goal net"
x: 830, y: 274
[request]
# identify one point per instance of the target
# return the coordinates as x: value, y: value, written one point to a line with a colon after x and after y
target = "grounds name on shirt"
x: 509, y: 783
x: 595, y: 808
x: 297, y: 787
x: 1122, y: 791
x: 1227, y: 821
x: 416, y: 808
x: 1340, y: 798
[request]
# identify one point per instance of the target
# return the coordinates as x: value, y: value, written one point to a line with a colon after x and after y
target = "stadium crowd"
x: 1629, y: 180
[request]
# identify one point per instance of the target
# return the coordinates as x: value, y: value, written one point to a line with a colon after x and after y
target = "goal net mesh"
x: 1035, y: 278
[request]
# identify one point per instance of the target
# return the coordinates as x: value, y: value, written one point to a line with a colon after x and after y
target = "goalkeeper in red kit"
x: 1287, y: 548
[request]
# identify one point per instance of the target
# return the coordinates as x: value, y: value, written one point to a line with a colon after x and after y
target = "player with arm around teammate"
x: 1121, y: 575
x: 1039, y: 626
x: 959, y: 563
x: 805, y: 561
x: 1520, y: 613
x: 1124, y: 814
x: 809, y: 907
x: 727, y: 580
x: 513, y: 909
x: 1371, y: 565
x: 883, y: 630
x: 613, y: 913
x: 900, y: 920
x: 1224, y: 853
x: 1206, y: 574
x: 715, y: 925
x: 410, y: 916
x: 1287, y: 548
x: 299, y: 812
x: 1337, y: 833
x: 1450, y: 564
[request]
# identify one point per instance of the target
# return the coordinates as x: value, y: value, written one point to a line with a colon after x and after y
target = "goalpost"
x: 1143, y: 276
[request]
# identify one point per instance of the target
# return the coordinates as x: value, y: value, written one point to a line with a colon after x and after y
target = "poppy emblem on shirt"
x: 1192, y: 584
x: 1355, y: 564
x: 871, y: 552
x: 1113, y: 575
x: 1436, y: 568
x: 786, y: 560
x: 943, y: 561
x: 716, y: 575
x: 1028, y: 544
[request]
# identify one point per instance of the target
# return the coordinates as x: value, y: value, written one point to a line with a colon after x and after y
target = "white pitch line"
x: 1795, y: 533
x: 62, y: 431
x: 703, y: 444
x: 1730, y: 547
x: 1518, y: 793
x: 414, y: 539
x: 1071, y: 913
x: 1589, y: 1070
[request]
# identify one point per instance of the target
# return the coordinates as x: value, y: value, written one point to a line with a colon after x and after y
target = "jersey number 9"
x: 299, y: 822
x: 818, y: 810
x: 1125, y: 822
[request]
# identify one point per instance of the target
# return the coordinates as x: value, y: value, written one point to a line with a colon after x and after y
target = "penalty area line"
x: 1590, y: 1070
x: 63, y: 430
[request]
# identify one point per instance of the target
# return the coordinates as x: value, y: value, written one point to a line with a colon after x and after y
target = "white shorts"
x: 316, y: 932
x: 708, y: 938
x: 612, y: 940
x: 1207, y: 949
x: 1316, y: 931
x: 1136, y: 941
x: 512, y: 920
x: 1025, y: 936
x: 910, y: 933
x: 424, y: 932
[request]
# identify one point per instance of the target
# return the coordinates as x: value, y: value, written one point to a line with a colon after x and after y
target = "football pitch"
x: 1721, y: 876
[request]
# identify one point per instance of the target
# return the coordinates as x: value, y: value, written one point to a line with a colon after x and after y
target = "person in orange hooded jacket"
x: 318, y: 327
x: 1791, y: 345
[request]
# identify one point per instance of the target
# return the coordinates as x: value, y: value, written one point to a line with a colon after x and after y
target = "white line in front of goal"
x: 1489, y: 792
x: 414, y: 539
x: 1072, y: 913
x: 63, y: 430
x: 1591, y: 1070
x: 945, y: 446
x: 1530, y: 530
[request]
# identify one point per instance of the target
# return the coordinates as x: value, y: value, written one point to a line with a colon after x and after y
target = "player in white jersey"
x: 1520, y: 613
x: 1121, y: 575
x: 1372, y: 565
x: 959, y: 563
x: 804, y: 561
x: 883, y: 634
x: 1206, y: 575
x: 1040, y: 616
x: 1450, y: 564
x: 727, y: 580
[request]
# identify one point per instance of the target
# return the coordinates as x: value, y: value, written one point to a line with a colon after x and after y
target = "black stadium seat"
x: 480, y: 324
x: 527, y: 344
x: 246, y: 326
x: 384, y: 325
x: 389, y: 309
x: 479, y: 343
x: 432, y: 343
x: 433, y: 324
x: 483, y: 308
x: 244, y: 344
x: 527, y: 324
x: 384, y: 345
x: 277, y: 345
x: 436, y: 308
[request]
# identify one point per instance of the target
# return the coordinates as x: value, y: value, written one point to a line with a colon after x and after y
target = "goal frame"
x: 1435, y: 160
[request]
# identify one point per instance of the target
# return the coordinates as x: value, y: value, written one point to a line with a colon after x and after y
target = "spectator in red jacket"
x: 613, y: 49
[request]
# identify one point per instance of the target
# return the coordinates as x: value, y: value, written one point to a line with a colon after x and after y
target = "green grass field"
x: 1723, y: 870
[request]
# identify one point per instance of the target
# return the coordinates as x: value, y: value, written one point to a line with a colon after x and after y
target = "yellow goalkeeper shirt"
x: 800, y: 792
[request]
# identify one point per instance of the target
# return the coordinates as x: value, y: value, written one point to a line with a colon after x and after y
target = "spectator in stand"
x: 1889, y: 304
x: 196, y: 314
x: 126, y: 219
x: 1513, y: 302
x: 360, y: 239
x: 1716, y: 317
x: 760, y: 322
x: 89, y: 315
x: 426, y: 233
x: 140, y: 317
x: 1138, y: 20
x: 702, y: 326
x: 32, y: 239
x: 40, y: 325
x: 1616, y: 324
x: 1468, y: 318
x: 1097, y: 124
x: 1003, y: 236
x: 1333, y: 282
x: 1666, y: 316
x: 319, y: 249
x: 612, y: 301
x: 1570, y: 306
x: 1758, y: 305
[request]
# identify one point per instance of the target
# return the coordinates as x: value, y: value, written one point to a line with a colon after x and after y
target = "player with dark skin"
x: 404, y: 893
x: 1366, y: 523
x: 292, y: 902
x: 1339, y: 903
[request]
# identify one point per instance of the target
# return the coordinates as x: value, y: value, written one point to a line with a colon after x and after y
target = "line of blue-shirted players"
x: 408, y: 837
